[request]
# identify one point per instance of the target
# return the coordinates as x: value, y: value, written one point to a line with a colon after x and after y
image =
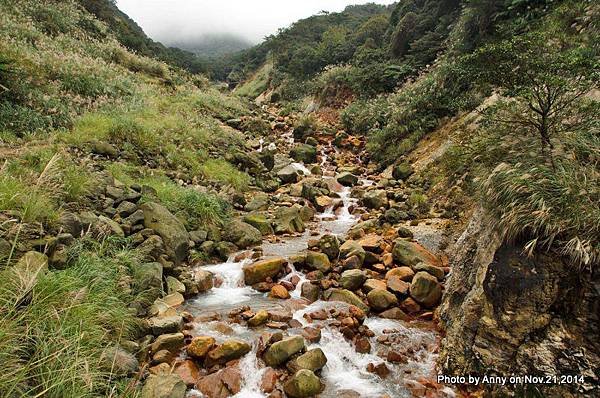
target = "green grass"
x: 52, y: 346
x: 193, y: 207
x: 224, y: 172
x: 257, y: 84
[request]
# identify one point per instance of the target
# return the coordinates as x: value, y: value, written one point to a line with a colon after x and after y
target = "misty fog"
x: 179, y: 22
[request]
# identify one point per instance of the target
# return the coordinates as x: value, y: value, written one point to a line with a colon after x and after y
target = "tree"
x: 546, y: 82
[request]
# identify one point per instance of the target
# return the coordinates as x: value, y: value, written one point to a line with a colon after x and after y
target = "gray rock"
x: 170, y: 229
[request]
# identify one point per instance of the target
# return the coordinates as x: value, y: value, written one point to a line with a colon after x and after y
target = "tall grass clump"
x: 55, y: 326
x: 193, y: 207
x: 222, y: 171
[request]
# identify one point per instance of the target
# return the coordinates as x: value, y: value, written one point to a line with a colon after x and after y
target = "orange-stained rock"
x: 280, y: 292
x: 189, y: 372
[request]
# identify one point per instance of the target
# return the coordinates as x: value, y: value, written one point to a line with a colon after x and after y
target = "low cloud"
x: 175, y: 21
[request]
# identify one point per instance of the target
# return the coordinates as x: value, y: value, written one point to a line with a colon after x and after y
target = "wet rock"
x: 281, y: 351
x: 323, y: 202
x: 381, y: 300
x: 345, y: 296
x: 203, y: 280
x: 243, y: 235
x: 228, y: 351
x: 269, y: 380
x: 425, y: 289
x: 347, y: 179
x: 279, y: 292
x: 311, y: 334
x: 260, y: 271
x: 224, y: 249
x: 318, y: 261
x: 410, y: 306
x: 303, y: 384
x: 330, y: 245
x: 165, y: 325
x: 362, y: 345
x: 200, y: 346
x: 260, y: 222
x: 164, y: 386
x: 288, y: 220
x: 304, y: 153
x: 260, y: 318
x: 313, y: 360
x: 169, y: 228
x: 411, y: 253
x: 375, y: 199
x: 394, y: 313
x: 170, y: 342
x: 222, y: 384
x: 352, y: 279
x: 403, y: 273
x: 380, y: 370
x: 310, y: 291
x: 189, y: 372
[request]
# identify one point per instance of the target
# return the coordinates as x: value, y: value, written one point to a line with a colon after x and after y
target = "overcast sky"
x: 171, y: 20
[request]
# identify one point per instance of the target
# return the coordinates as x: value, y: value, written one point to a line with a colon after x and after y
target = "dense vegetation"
x: 408, y: 69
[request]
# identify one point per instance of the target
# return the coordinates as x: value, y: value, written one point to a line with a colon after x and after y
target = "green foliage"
x: 55, y: 326
x: 224, y: 172
x: 194, y: 208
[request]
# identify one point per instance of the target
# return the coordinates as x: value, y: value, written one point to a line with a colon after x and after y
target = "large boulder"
x: 304, y: 153
x: 352, y: 279
x: 260, y: 201
x: 303, y: 384
x: 200, y: 346
x: 347, y: 179
x: 228, y: 351
x: 288, y: 220
x: 425, y: 289
x: 260, y: 222
x: 411, y: 253
x: 330, y: 245
x: 169, y: 228
x: 290, y: 173
x: 260, y: 271
x: 318, y: 261
x: 314, y: 360
x: 381, y: 300
x: 164, y: 386
x: 222, y: 384
x: 375, y: 199
x: 242, y: 234
x: 345, y: 296
x: 281, y: 351
x: 352, y: 248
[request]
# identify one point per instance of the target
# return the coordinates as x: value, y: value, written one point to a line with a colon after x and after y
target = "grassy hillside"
x: 80, y: 112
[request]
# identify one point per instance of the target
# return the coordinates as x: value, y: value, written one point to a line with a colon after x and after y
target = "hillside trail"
x: 348, y: 373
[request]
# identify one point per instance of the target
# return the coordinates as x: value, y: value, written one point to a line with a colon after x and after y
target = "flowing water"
x: 345, y: 369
